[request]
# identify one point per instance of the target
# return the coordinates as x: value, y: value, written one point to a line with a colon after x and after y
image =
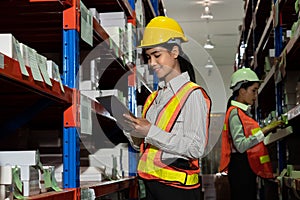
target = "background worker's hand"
x: 272, y: 126
x: 140, y: 126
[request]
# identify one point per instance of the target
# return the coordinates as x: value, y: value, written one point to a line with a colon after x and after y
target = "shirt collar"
x: 176, y: 83
x: 240, y: 105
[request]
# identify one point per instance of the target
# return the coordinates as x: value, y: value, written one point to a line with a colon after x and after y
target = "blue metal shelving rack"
x: 71, y: 144
x: 278, y: 43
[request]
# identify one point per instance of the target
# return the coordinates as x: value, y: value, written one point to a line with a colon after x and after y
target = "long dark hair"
x: 184, y: 61
x: 236, y: 92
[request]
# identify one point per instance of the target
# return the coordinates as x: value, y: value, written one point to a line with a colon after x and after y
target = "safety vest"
x: 150, y: 166
x: 258, y: 156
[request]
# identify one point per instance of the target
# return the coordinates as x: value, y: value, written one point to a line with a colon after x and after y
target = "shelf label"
x: 86, y: 115
x: 42, y: 63
x: 20, y: 58
x: 86, y: 29
x: 1, y: 61
x: 34, y: 65
x: 57, y: 77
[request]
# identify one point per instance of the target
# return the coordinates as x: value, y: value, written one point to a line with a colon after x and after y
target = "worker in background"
x: 173, y: 130
x: 244, y: 155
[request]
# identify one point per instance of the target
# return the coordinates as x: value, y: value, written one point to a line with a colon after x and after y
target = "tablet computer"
x: 116, y: 109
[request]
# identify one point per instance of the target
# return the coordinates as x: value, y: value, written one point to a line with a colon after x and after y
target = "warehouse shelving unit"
x: 52, y: 28
x: 274, y: 56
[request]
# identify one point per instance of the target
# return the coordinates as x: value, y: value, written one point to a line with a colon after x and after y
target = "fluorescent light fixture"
x: 208, y: 44
x: 207, y: 13
x: 209, y: 65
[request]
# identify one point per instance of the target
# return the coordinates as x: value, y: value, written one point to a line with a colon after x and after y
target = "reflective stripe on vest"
x: 150, y: 165
x: 258, y: 156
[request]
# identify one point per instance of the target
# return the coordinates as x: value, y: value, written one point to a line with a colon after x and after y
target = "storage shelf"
x: 266, y: 80
x: 28, y: 100
x: 293, y: 183
x: 65, y: 3
x: 108, y: 187
x: 266, y: 27
x: 65, y: 195
x: 22, y: 95
x: 265, y: 38
x: 101, y: 189
x: 111, y: 6
x: 13, y: 73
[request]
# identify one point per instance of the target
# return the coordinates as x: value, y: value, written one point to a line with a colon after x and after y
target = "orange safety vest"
x: 150, y: 166
x: 258, y: 156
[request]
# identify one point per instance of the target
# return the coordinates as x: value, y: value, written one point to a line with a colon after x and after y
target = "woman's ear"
x: 242, y: 91
x: 175, y: 51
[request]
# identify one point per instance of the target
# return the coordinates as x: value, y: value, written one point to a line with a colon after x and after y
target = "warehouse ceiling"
x: 223, y: 30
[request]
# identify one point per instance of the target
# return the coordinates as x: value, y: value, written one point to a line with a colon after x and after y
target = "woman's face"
x: 249, y: 95
x: 164, y: 62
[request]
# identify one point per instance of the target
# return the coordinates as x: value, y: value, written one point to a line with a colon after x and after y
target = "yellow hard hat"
x: 160, y: 30
x: 242, y: 75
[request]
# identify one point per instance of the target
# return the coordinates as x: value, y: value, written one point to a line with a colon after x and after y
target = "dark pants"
x: 159, y: 191
x: 242, y: 179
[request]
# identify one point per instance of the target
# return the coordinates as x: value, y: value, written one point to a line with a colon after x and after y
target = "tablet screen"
x: 116, y: 108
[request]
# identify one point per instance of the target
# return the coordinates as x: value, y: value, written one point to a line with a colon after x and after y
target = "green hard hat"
x: 241, y: 76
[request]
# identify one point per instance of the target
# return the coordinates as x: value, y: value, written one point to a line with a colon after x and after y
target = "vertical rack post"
x: 278, y: 43
x: 132, y: 4
x: 132, y: 105
x: 71, y: 145
x: 155, y: 6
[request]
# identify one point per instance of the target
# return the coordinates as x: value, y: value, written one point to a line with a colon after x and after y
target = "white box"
x: 104, y: 158
x: 114, y: 22
x: 5, y: 175
x: 58, y: 173
x: 288, y: 33
x: 7, y: 47
x: 114, y: 92
x: 12, y: 158
x: 271, y: 52
x: 89, y: 75
x: 90, y: 174
x: 112, y: 15
x: 92, y: 94
x: 115, y: 33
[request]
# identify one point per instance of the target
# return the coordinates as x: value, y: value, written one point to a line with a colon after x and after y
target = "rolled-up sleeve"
x: 188, y: 136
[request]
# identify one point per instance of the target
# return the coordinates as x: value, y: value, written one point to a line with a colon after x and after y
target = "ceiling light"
x: 207, y: 13
x: 208, y: 44
x: 209, y: 64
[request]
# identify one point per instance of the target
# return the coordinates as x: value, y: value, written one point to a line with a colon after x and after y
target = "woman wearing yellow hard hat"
x: 244, y: 155
x: 173, y: 131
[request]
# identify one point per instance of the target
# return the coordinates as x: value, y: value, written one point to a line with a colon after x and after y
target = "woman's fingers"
x: 140, y: 126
